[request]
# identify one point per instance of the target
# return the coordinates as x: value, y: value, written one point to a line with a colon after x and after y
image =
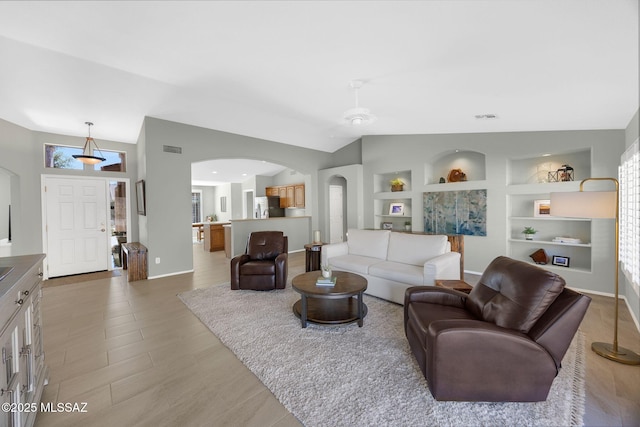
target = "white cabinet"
x: 23, y: 370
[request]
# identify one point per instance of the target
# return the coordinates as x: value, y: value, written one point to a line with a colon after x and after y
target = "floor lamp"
x: 597, y: 204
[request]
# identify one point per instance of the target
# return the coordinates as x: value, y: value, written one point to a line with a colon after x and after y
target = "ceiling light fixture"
x: 87, y: 157
x: 357, y: 116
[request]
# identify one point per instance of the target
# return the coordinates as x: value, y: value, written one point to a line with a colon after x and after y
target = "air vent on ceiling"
x: 172, y: 149
x: 489, y: 116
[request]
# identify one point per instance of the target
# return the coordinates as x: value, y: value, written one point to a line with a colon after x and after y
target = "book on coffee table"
x: 326, y: 281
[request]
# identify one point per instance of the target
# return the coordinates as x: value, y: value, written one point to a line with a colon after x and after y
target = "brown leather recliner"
x: 264, y: 265
x: 501, y: 343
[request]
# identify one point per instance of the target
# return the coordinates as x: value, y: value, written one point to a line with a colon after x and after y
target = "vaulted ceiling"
x: 280, y: 70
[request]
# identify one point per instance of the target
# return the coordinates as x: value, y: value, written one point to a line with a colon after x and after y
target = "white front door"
x: 76, y: 225
x: 336, y: 217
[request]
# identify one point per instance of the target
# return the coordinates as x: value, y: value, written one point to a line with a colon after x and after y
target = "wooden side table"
x: 458, y: 285
x: 134, y: 258
x: 313, y: 256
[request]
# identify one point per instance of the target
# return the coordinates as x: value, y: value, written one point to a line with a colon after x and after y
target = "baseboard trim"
x: 170, y: 274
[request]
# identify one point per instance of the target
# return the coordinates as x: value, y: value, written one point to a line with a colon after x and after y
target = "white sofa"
x: 392, y: 262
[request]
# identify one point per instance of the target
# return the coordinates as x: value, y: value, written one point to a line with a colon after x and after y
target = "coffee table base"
x: 331, y: 311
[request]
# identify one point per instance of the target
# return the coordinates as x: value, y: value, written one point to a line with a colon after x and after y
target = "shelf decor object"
x: 539, y: 257
x: 396, y: 208
x: 542, y: 208
x: 396, y: 184
x: 560, y: 261
x: 563, y: 174
x: 598, y: 204
x: 456, y: 175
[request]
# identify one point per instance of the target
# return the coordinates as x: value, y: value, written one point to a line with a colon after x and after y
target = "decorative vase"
x: 528, y: 236
x: 397, y: 187
x: 326, y: 274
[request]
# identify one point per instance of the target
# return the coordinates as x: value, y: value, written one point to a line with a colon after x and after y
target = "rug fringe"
x: 578, y: 383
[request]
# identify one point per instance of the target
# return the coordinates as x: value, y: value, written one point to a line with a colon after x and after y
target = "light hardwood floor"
x: 138, y: 356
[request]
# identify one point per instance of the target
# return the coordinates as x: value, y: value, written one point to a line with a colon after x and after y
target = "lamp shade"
x: 584, y: 204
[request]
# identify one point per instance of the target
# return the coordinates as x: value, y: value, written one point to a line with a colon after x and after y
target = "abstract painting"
x: 456, y: 212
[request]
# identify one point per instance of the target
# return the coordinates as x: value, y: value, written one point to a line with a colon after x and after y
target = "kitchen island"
x: 296, y: 228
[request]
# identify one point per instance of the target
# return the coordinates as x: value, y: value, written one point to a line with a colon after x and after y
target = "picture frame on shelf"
x: 542, y: 208
x: 560, y: 261
x: 387, y: 226
x: 396, y: 208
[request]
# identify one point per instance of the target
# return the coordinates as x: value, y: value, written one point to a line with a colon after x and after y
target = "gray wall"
x: 166, y: 229
x: 414, y: 152
x: 23, y: 156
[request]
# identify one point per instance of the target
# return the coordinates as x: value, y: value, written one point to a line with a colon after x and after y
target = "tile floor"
x: 138, y: 356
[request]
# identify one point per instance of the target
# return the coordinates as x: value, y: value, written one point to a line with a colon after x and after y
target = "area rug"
x: 350, y: 376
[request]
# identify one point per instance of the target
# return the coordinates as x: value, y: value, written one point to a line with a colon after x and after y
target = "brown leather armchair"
x: 502, y: 342
x: 264, y: 265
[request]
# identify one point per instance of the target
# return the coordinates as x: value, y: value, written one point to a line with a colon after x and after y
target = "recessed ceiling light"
x: 546, y: 155
x: 488, y: 116
x: 244, y: 174
x: 214, y: 172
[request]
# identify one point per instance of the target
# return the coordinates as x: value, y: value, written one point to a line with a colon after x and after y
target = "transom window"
x: 61, y: 157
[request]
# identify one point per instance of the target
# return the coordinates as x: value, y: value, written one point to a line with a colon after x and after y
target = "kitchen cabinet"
x: 214, y: 237
x: 299, y: 196
x: 272, y: 191
x: 23, y: 374
x: 291, y: 196
x: 282, y: 192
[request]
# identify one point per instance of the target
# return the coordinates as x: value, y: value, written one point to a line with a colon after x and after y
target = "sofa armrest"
x: 433, y: 295
x: 333, y: 250
x: 444, y: 267
x: 479, y: 358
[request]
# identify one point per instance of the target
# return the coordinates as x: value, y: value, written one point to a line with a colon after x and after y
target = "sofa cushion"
x: 353, y: 263
x: 398, y: 272
x: 371, y: 243
x: 415, y: 249
x: 514, y: 294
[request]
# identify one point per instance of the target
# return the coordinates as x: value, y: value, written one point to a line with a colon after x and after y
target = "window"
x: 629, y: 176
x: 61, y: 157
x: 115, y: 161
x: 196, y: 206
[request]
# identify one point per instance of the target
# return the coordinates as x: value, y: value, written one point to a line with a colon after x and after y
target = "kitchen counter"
x: 21, y: 265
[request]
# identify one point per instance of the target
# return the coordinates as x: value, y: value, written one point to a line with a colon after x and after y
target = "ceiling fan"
x: 357, y: 116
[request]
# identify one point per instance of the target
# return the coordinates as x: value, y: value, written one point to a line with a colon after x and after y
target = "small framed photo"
x: 387, y: 226
x: 541, y: 208
x: 396, y: 209
x: 561, y: 261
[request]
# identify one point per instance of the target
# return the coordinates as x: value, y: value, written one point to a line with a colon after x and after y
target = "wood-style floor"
x: 138, y: 356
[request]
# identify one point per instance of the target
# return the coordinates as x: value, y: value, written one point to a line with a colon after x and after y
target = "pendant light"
x: 87, y: 157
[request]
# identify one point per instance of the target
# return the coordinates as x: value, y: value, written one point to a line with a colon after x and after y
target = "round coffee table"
x: 330, y: 304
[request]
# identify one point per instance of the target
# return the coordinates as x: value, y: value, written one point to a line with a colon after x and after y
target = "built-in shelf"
x: 471, y: 163
x: 382, y: 182
x: 550, y: 242
x: 530, y: 181
x: 536, y: 170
